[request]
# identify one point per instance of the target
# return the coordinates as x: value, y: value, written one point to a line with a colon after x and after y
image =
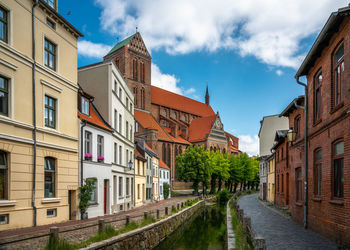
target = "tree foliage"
x: 166, y: 188
x: 85, y: 192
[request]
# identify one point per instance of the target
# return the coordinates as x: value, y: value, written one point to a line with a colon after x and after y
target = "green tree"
x: 235, y: 172
x: 85, y: 192
x: 166, y: 188
x: 193, y: 165
x: 246, y: 166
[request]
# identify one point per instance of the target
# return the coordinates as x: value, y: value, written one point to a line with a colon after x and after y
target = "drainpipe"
x: 306, y: 151
x: 34, y: 112
x: 82, y: 157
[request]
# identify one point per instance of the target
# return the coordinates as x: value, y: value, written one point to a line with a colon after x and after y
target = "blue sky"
x: 248, y: 52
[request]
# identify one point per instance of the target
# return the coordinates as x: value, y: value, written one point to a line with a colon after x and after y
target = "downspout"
x: 306, y: 151
x: 82, y: 157
x: 34, y: 113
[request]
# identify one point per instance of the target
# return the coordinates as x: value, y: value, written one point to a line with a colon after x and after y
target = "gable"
x: 217, y: 131
x: 137, y: 44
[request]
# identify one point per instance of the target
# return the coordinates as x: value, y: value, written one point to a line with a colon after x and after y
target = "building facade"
x: 271, y: 179
x: 114, y: 101
x: 140, y: 175
x: 164, y: 177
x: 39, y: 126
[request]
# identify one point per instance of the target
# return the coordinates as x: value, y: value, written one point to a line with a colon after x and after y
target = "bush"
x: 166, y: 189
x: 223, y: 196
x: 85, y: 192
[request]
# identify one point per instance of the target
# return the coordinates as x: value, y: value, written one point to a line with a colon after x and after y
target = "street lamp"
x: 291, y: 134
x: 130, y: 164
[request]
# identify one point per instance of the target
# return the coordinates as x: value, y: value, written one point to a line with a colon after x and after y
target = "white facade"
x: 114, y: 100
x: 164, y: 177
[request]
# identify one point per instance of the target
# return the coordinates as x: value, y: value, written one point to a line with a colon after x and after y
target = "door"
x: 264, y: 191
x: 70, y: 203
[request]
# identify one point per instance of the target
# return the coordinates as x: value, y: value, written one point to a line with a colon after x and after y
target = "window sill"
x: 50, y: 200
x: 337, y: 202
x: 7, y: 203
x: 299, y: 204
x: 317, y: 199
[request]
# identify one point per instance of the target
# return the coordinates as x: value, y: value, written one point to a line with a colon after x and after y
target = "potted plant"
x: 88, y: 156
x: 100, y: 158
x: 85, y: 196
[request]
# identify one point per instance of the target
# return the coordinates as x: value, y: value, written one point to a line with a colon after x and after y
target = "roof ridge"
x: 121, y: 44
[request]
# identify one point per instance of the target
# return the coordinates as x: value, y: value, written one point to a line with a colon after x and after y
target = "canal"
x: 205, y: 230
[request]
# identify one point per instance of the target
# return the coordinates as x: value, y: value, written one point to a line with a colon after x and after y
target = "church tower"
x: 134, y: 62
x: 207, y: 97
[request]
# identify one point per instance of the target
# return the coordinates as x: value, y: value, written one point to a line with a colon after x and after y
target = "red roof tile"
x: 147, y: 121
x: 163, y: 165
x: 171, y: 100
x: 200, y: 128
x: 94, y: 118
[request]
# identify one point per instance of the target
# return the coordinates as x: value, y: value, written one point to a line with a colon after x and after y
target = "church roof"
x: 121, y: 44
x: 200, y: 128
x: 169, y: 99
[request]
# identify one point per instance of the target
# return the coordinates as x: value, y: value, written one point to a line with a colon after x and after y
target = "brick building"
x: 327, y: 70
x: 167, y: 121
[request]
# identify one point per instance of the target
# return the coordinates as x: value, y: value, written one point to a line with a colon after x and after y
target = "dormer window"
x: 85, y: 106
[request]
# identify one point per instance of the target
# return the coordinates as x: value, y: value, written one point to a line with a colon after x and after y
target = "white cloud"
x: 249, y: 144
x: 190, y: 91
x: 270, y: 30
x: 164, y: 81
x: 279, y: 72
x: 94, y: 50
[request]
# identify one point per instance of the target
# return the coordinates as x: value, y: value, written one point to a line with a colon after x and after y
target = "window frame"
x: 5, y: 193
x: 53, y: 176
x: 94, y: 192
x: 6, y: 91
x: 299, y: 184
x: 50, y: 23
x: 83, y: 102
x: 120, y: 187
x: 53, y: 109
x: 100, y: 145
x: 297, y: 121
x: 334, y: 159
x: 5, y: 22
x: 86, y: 141
x: 50, y: 52
x: 337, y: 97
x: 317, y: 114
x: 317, y: 178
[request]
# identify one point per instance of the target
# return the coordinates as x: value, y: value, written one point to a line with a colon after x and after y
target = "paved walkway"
x: 133, y: 212
x: 280, y: 232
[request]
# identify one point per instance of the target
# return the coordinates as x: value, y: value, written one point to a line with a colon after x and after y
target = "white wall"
x: 164, y: 176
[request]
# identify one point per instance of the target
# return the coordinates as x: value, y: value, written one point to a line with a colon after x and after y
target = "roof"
x: 94, y: 118
x: 150, y: 151
x: 279, y: 137
x: 163, y: 165
x: 61, y: 18
x: 293, y: 105
x: 147, y: 121
x: 169, y: 99
x: 322, y: 40
x: 232, y: 147
x: 200, y: 128
x: 121, y: 44
x: 138, y: 154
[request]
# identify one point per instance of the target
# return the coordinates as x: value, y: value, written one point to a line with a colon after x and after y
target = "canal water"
x: 205, y: 230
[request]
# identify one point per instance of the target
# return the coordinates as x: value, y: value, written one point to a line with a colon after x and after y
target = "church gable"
x: 137, y: 45
x: 217, y: 131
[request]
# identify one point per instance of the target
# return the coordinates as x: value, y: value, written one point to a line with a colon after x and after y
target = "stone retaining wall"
x: 149, y: 236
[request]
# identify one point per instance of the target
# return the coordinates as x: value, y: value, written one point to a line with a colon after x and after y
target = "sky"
x: 246, y: 51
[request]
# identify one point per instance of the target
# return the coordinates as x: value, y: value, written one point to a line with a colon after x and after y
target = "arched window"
x: 168, y: 155
x: 297, y: 126
x: 134, y: 69
x: 50, y: 169
x: 143, y: 98
x: 3, y: 175
x: 135, y: 98
x: 164, y: 152
x: 317, y: 96
x: 338, y: 71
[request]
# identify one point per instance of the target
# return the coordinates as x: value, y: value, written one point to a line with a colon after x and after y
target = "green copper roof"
x: 121, y: 44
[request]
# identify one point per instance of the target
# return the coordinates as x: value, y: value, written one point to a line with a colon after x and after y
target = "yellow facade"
x: 16, y: 126
x: 155, y: 185
x: 271, y: 180
x: 140, y: 183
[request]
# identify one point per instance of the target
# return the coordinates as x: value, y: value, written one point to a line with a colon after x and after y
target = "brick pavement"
x: 280, y: 232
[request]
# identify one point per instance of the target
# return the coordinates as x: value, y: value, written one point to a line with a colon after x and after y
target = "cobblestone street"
x: 280, y: 232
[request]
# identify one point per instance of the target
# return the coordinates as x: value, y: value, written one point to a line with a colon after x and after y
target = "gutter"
x: 34, y: 114
x: 305, y: 151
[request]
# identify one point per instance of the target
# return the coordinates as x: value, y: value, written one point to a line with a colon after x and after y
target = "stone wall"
x: 149, y: 236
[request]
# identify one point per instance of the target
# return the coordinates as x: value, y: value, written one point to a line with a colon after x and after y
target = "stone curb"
x: 275, y: 210
x: 231, y: 244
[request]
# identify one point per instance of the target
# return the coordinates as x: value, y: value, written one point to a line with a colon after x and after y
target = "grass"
x: 109, y: 231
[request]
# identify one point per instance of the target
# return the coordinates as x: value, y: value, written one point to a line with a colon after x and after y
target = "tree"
x: 246, y: 166
x: 85, y: 192
x: 235, y: 172
x: 193, y: 165
x: 166, y: 189
x: 220, y: 169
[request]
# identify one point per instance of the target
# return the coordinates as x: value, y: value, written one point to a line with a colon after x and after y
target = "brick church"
x: 167, y: 121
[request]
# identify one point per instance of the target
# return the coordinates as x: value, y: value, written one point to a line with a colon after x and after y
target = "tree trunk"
x: 220, y: 183
x: 213, y: 184
x: 235, y: 187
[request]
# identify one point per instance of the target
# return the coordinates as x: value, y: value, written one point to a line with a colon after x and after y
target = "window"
x: 138, y: 191
x: 142, y: 72
x: 50, y: 23
x: 167, y: 175
x: 85, y: 106
x: 115, y: 152
x: 130, y: 107
x: 4, y: 219
x: 3, y: 24
x: 134, y: 69
x: 135, y: 98
x: 99, y: 145
x: 51, y: 212
x: 120, y: 93
x: 127, y: 129
x: 131, y: 133
x: 297, y: 126
x: 163, y: 112
x: 282, y: 183
x: 120, y: 155
x: 127, y: 102
x: 136, y: 127
x: 117, y: 62
x: 50, y: 54
x: 50, y: 112
x: 120, y: 186
x: 338, y: 169
x: 88, y: 144
x: 183, y: 117
x: 115, y: 119
x: 299, y: 184
x: 317, y: 97
x: 317, y: 171
x: 127, y: 157
x: 115, y: 86
x: 143, y: 98
x: 120, y: 123
x: 338, y: 69
x: 127, y: 187
x: 51, y: 3
x: 115, y: 189
x: 50, y: 168
x: 132, y: 188
x: 4, y: 96
x: 3, y: 176
x: 93, y: 198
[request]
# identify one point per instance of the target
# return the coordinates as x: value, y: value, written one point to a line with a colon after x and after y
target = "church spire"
x: 207, y: 96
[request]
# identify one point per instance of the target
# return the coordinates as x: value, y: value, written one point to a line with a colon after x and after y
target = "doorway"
x: 72, y: 204
x: 264, y: 191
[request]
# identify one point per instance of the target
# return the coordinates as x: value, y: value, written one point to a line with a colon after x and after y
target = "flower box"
x: 100, y: 158
x: 88, y: 156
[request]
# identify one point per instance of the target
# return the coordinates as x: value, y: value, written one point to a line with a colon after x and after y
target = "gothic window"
x: 142, y: 71
x: 168, y: 155
x: 134, y: 69
x: 297, y: 126
x: 164, y: 152
x: 143, y: 98
x: 135, y: 99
